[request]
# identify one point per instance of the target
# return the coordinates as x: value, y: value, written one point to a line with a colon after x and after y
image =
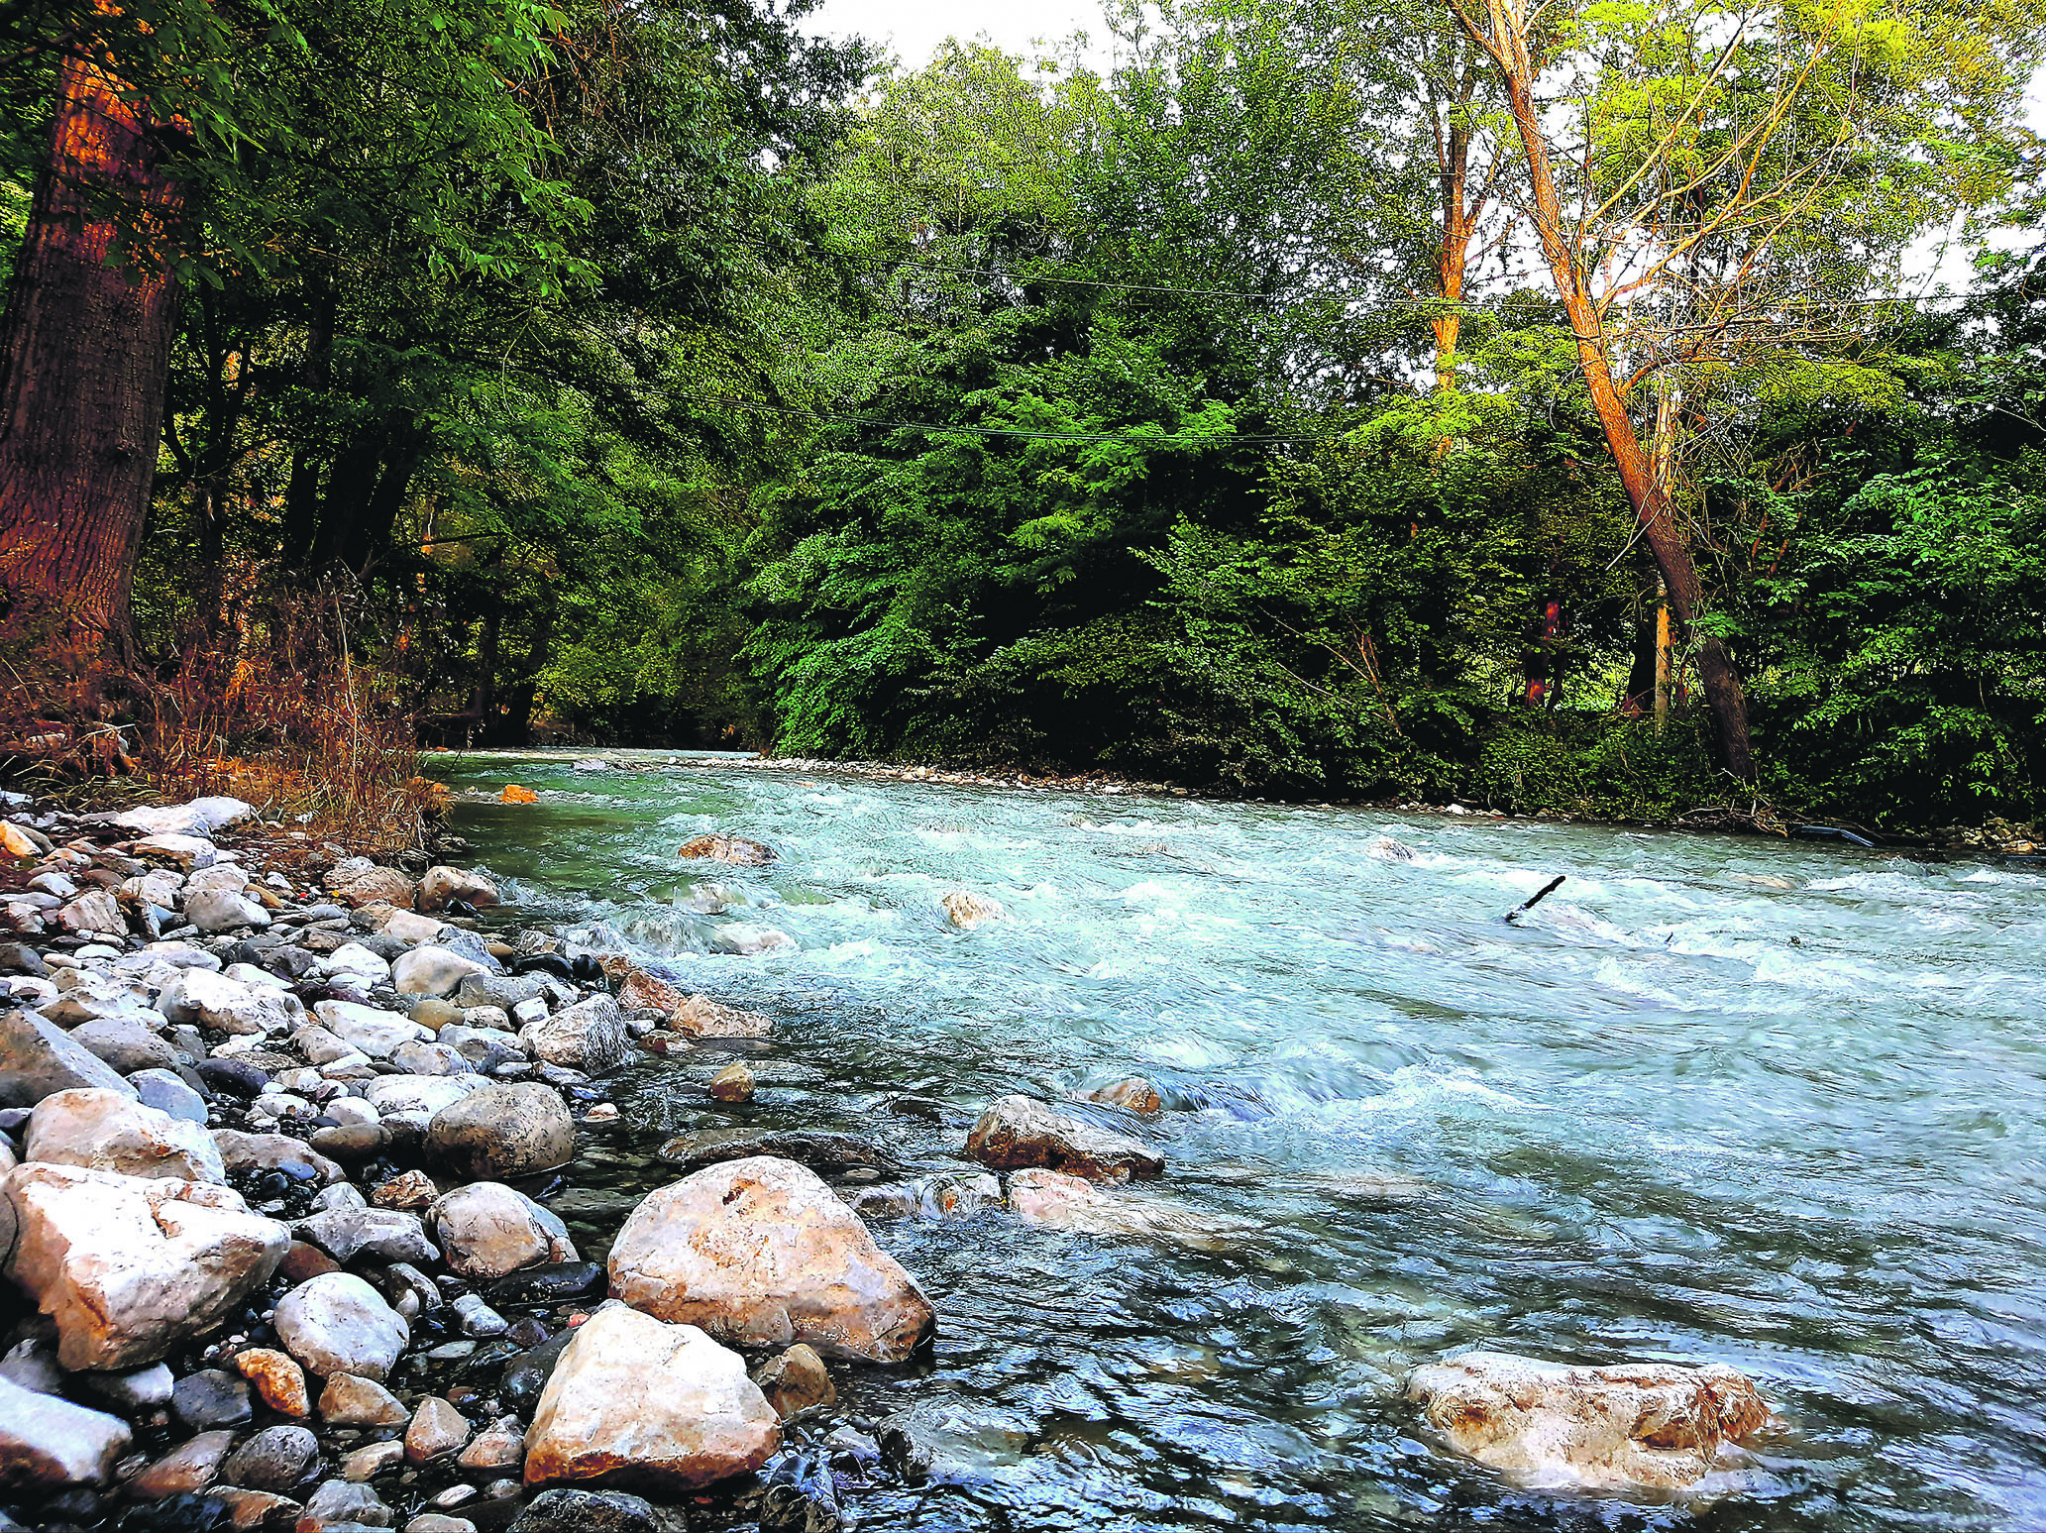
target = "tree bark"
x: 1508, y: 47
x: 84, y: 359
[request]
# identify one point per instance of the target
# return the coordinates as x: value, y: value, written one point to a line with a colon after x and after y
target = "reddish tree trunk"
x: 84, y: 356
x: 1645, y: 491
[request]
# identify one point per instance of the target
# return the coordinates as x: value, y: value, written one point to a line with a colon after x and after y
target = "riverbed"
x: 1774, y: 1105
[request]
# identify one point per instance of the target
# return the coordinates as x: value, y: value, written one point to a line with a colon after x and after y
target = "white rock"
x: 432, y: 971
x: 110, y: 1131
x: 418, y: 1094
x: 411, y: 929
x: 130, y: 1267
x: 229, y: 1006
x: 747, y: 939
x: 96, y: 910
x: 188, y: 852
x: 220, y: 910
x: 337, y: 1323
x: 488, y: 1230
x: 353, y: 958
x: 663, y: 1403
x: 374, y: 1032
x: 222, y: 875
x: 218, y: 811
x: 163, y: 820
x: 49, y: 1442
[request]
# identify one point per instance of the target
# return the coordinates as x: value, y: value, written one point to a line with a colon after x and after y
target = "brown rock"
x: 349, y: 1401
x: 278, y: 1379
x: 367, y: 1463
x: 376, y: 886
x: 189, y: 1467
x: 1016, y: 1131
x: 795, y: 1380
x: 251, y: 1510
x: 734, y: 1083
x: 502, y: 1130
x: 759, y: 1252
x: 967, y: 911
x: 640, y: 990
x: 735, y: 850
x: 302, y: 1261
x: 437, y: 1430
x: 1549, y: 1424
x: 409, y: 1190
x: 633, y: 1402
x: 1132, y: 1093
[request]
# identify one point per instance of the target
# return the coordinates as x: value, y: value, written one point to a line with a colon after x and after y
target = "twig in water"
x: 1543, y: 893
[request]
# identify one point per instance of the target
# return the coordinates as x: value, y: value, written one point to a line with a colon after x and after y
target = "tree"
x: 1741, y: 177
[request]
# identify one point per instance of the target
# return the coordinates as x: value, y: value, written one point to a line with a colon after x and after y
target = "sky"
x: 913, y: 28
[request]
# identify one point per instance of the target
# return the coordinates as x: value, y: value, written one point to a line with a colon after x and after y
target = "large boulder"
x: 112, y: 1131
x: 126, y: 1043
x: 1551, y: 1425
x: 760, y: 1253
x: 131, y: 1267
x: 371, y: 886
x: 637, y: 1402
x: 337, y: 1323
x: 48, y: 1443
x: 502, y: 1130
x: 489, y: 1230
x: 1017, y: 1131
x: 39, y: 1059
x: 432, y: 971
x: 588, y: 1036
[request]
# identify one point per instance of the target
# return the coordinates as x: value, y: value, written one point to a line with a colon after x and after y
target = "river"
x: 1775, y: 1105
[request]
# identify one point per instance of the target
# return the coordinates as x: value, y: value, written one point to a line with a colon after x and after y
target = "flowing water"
x: 1777, y: 1105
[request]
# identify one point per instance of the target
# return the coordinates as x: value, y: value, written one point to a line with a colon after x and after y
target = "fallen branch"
x: 1541, y: 894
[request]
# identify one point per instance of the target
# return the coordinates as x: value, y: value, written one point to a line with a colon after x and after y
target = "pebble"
x: 369, y: 1462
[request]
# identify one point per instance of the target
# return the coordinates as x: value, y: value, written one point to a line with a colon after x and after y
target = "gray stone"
x: 32, y: 1363
x: 433, y: 971
x: 500, y: 990
x: 210, y: 1398
x: 167, y: 1093
x: 126, y: 1044
x: 134, y: 1390
x: 594, y: 1511
x: 220, y: 910
x: 374, y: 1031
x: 276, y: 1459
x: 243, y: 1153
x: 383, y: 1235
x: 337, y: 1501
x: 38, y: 1059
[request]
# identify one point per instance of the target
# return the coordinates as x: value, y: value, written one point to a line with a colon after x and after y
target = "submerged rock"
x: 816, y: 1148
x: 1549, y: 1424
x: 1017, y: 1131
x: 738, y: 851
x: 1057, y: 1201
x: 759, y: 1252
x: 966, y: 911
x: 636, y: 1401
x: 129, y: 1267
x: 1132, y: 1093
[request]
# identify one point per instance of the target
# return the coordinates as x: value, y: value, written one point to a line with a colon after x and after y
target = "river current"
x: 1775, y: 1105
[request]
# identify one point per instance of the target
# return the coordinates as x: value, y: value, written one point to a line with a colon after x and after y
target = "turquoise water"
x: 1725, y: 1100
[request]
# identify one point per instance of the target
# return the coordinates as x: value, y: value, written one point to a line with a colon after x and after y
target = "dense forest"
x: 1613, y: 408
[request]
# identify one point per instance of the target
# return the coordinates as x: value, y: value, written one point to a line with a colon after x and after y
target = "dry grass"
x: 275, y: 710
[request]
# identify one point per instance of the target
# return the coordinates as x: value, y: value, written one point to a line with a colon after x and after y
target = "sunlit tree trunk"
x: 84, y: 357
x: 1506, y: 41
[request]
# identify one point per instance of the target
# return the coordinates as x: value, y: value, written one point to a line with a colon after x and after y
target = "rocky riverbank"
x: 279, y: 1127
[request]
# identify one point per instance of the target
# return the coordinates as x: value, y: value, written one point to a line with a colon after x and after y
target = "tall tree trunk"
x: 84, y: 358
x: 1645, y: 493
x: 1452, y: 252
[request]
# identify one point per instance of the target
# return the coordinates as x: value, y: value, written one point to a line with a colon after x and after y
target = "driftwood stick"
x: 1541, y: 894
